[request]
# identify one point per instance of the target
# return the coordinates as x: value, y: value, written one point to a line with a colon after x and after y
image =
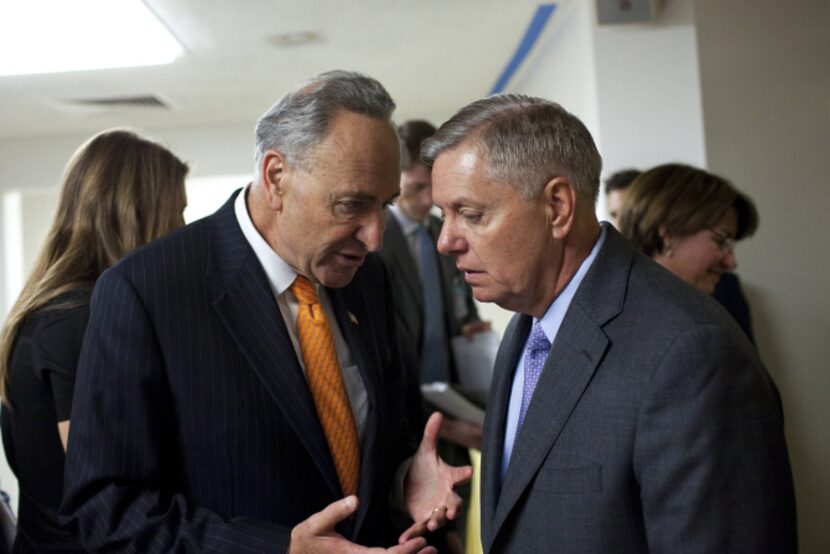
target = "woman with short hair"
x: 688, y: 220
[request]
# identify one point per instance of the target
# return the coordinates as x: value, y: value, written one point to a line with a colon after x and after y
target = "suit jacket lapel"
x: 496, y: 415
x: 248, y: 309
x: 350, y: 310
x: 571, y: 363
x: 576, y: 353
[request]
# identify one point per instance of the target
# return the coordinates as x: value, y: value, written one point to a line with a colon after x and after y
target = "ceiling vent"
x: 147, y: 102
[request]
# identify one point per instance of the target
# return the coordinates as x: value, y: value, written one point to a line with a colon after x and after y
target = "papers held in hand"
x: 452, y: 403
x: 474, y: 360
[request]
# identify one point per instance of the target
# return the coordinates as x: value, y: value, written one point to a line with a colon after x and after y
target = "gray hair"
x: 300, y: 120
x: 525, y: 141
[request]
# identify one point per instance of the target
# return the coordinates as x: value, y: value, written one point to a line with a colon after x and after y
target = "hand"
x: 429, y: 483
x: 317, y: 535
x: 470, y: 329
x: 462, y: 432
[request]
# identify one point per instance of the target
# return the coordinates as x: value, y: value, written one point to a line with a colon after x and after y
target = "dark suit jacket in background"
x: 409, y: 298
x: 193, y: 428
x: 654, y: 427
x: 409, y: 312
x: 728, y: 292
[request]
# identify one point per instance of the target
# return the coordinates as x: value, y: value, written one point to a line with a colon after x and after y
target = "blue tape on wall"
x: 540, y: 19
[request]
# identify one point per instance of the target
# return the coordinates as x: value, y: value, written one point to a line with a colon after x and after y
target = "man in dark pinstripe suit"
x: 193, y: 428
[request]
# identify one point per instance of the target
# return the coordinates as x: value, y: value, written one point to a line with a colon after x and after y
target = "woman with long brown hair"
x: 118, y: 191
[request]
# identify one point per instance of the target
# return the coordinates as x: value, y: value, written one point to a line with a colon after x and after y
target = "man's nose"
x: 370, y: 233
x: 449, y: 241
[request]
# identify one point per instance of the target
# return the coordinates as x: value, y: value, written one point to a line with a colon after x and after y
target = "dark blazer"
x: 654, y: 427
x: 459, y: 306
x: 193, y: 428
x: 728, y: 292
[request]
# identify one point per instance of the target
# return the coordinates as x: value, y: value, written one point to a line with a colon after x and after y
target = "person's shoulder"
x: 70, y: 308
x: 61, y: 321
x: 667, y: 296
x: 175, y: 250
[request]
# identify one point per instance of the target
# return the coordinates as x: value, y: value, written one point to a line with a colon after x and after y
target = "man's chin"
x: 336, y: 278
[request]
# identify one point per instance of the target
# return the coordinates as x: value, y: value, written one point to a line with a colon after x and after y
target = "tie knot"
x: 538, y: 341
x: 305, y: 291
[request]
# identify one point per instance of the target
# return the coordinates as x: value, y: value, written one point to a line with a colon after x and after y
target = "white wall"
x: 765, y: 75
x: 648, y: 87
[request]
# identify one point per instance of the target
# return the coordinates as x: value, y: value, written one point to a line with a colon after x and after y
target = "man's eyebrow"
x: 465, y: 202
x: 351, y: 195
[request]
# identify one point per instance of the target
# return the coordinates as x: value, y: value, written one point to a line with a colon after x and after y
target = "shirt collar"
x: 279, y: 273
x: 408, y: 225
x: 555, y: 314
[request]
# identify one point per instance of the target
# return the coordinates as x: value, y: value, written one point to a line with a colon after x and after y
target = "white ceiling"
x: 432, y: 55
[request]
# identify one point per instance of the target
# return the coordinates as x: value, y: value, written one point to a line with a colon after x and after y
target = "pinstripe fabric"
x: 326, y: 383
x: 193, y: 428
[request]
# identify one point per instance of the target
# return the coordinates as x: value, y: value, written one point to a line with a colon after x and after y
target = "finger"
x: 437, y: 517
x: 415, y: 530
x: 428, y: 550
x: 410, y: 546
x: 460, y: 475
x: 454, y: 506
x: 325, y: 520
x: 431, y: 430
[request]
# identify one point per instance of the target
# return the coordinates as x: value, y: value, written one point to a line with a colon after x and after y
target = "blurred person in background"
x: 433, y: 304
x: 688, y: 220
x: 432, y: 301
x: 615, y: 188
x: 119, y: 191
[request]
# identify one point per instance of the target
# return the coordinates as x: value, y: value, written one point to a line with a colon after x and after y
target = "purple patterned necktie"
x: 536, y: 352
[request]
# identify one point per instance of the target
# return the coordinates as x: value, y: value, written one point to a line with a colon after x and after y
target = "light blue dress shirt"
x: 550, y: 323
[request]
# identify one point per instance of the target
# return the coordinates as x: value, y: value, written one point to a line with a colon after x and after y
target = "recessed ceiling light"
x: 50, y: 36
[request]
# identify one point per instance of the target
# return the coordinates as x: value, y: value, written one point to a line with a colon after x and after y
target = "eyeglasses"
x: 725, y: 241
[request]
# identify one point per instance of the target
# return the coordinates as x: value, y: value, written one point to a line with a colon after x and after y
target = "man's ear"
x: 273, y: 170
x: 560, y: 198
x: 666, y: 241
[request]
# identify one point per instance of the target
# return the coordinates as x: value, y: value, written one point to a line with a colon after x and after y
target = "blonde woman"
x: 119, y: 191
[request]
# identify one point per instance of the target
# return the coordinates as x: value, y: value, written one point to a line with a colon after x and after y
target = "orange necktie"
x: 326, y: 384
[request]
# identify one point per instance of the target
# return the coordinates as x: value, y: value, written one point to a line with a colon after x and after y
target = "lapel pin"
x: 352, y: 317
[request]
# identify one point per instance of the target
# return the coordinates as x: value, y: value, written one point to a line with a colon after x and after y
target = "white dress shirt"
x: 280, y: 277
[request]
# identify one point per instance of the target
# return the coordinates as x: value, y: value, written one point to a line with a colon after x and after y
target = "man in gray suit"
x: 628, y: 413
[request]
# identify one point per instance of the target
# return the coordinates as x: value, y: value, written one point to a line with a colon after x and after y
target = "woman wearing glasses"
x: 688, y: 220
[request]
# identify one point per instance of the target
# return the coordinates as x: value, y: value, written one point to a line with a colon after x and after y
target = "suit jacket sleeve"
x: 121, y: 464
x: 710, y: 454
